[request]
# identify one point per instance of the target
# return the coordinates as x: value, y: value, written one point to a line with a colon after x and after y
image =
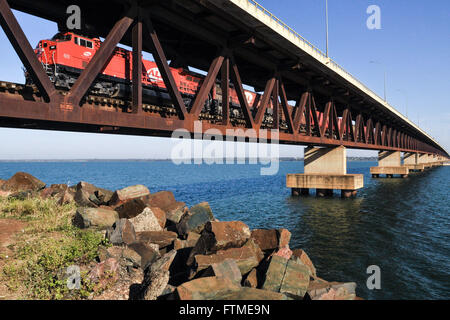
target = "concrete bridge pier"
x: 425, y: 159
x: 411, y: 161
x: 325, y: 169
x: 390, y: 164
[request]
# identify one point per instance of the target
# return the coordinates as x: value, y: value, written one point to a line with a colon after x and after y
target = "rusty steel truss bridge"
x: 238, y: 43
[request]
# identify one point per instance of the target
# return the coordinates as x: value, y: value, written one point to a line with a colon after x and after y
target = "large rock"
x: 267, y: 239
x: 161, y: 238
x: 284, y: 236
x: 275, y: 273
x: 299, y: 253
x: 208, y: 288
x: 247, y: 257
x: 271, y: 239
x: 323, y: 290
x: 129, y: 193
x: 147, y: 254
x: 122, y: 233
x: 95, y: 217
x: 131, y: 208
x: 83, y: 199
x: 66, y: 197
x: 146, y: 221
x: 165, y: 262
x: 161, y: 199
x: 175, y: 211
x: 196, y: 219
x: 53, y: 191
x: 160, y: 215
x: 224, y: 235
x: 296, y: 279
x: 89, y: 195
x: 226, y: 269
x: 290, y: 277
x: 154, y: 284
x: 22, y: 181
x: 219, y: 236
x: 252, y: 279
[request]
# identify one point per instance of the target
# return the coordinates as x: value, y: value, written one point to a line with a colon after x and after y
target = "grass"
x: 46, y: 248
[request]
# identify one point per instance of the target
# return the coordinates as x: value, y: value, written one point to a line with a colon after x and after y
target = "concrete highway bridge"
x: 240, y: 45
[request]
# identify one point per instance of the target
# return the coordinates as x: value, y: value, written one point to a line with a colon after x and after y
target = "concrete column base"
x: 324, y: 183
x: 415, y: 167
x: 389, y: 171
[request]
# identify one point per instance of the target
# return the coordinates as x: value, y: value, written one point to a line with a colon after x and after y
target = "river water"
x: 400, y: 225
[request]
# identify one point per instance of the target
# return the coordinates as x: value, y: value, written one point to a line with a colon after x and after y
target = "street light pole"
x: 326, y: 17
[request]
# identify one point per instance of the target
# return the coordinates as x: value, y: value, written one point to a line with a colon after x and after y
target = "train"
x: 66, y: 54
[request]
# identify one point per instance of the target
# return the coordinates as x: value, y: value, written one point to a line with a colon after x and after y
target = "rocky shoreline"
x: 159, y: 249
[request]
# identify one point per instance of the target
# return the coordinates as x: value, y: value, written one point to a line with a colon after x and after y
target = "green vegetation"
x: 48, y: 245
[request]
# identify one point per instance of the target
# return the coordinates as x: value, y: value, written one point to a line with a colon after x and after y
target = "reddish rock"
x: 145, y: 221
x: 131, y: 208
x: 89, y: 195
x: 122, y: 233
x: 95, y: 217
x: 252, y: 279
x: 246, y: 257
x: 175, y: 211
x: 226, y: 269
x: 219, y: 236
x: 284, y: 236
x: 323, y: 290
x: 147, y: 254
x: 161, y: 238
x: 209, y: 288
x: 195, y: 221
x: 65, y: 198
x: 129, y: 193
x: 192, y: 239
x: 160, y: 215
x: 22, y: 181
x: 296, y: 280
x: 179, y: 244
x: 161, y: 199
x: 299, y: 253
x: 284, y: 252
x: 53, y: 190
x: 286, y: 276
x: 267, y: 239
x: 104, y: 274
x: 83, y: 199
x: 275, y: 273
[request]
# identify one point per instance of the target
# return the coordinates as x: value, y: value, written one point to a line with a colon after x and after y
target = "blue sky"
x: 412, y: 47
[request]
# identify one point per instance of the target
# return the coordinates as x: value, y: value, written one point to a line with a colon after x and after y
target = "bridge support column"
x: 425, y: 160
x: 411, y: 161
x: 325, y: 169
x: 389, y: 163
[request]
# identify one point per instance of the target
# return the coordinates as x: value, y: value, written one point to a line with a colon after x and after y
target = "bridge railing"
x: 307, y: 43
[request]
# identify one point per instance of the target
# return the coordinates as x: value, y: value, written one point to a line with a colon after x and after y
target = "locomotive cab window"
x: 83, y: 42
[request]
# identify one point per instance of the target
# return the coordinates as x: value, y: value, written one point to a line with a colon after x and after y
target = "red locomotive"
x: 67, y: 54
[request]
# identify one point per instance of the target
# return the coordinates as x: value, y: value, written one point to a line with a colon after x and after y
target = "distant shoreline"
x: 284, y: 159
